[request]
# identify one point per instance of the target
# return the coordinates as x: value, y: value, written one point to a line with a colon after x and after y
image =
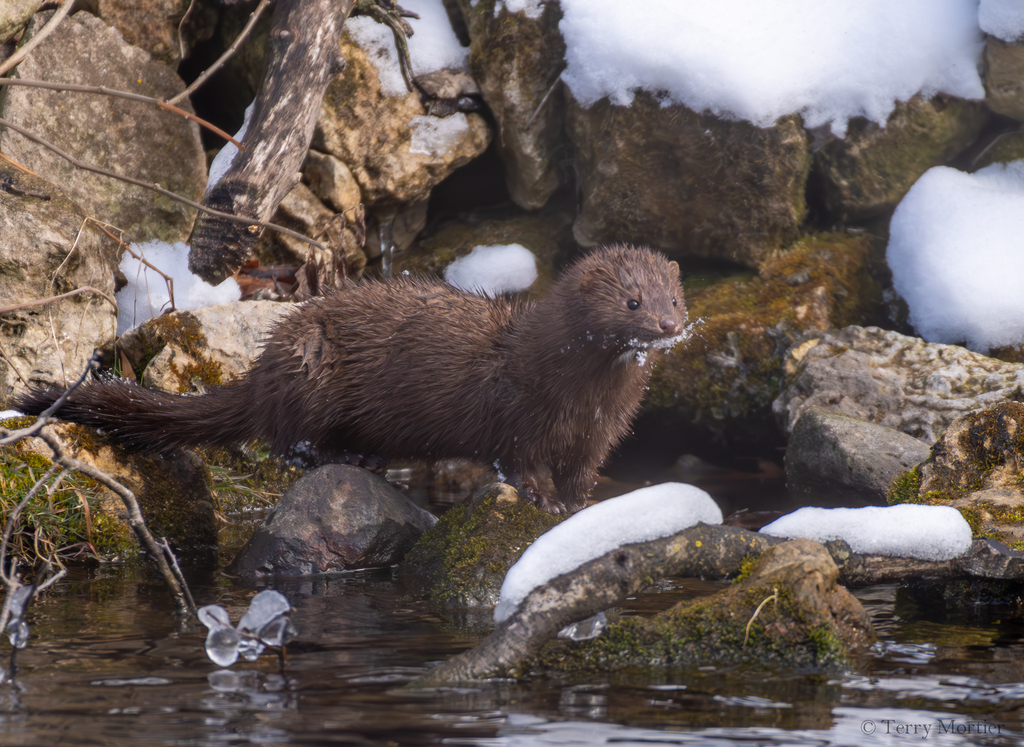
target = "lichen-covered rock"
x: 690, y: 184
x: 1004, y: 77
x: 336, y: 518
x: 46, y: 249
x: 14, y: 16
x: 188, y: 351
x: 835, y: 460
x: 463, y: 559
x: 516, y: 60
x: 977, y: 467
x: 893, y: 380
x: 870, y: 170
x: 396, y: 152
x: 808, y: 620
x: 127, y: 137
x: 724, y: 377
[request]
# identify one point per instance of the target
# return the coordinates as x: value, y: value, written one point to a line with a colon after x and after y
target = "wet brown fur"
x: 416, y: 368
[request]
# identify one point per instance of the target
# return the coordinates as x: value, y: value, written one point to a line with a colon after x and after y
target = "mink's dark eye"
x: 632, y: 304
x: 674, y: 303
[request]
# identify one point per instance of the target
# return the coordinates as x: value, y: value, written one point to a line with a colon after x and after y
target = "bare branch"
x: 44, y: 32
x: 251, y: 222
x: 104, y: 91
x: 51, y: 299
x: 228, y: 54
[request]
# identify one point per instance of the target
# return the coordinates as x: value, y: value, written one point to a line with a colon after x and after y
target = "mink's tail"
x: 151, y: 420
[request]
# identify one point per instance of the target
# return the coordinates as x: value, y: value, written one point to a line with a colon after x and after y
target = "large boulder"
x: 129, y: 138
x: 890, y: 379
x: 690, y: 184
x: 1004, y: 77
x: 869, y: 171
x: 48, y: 248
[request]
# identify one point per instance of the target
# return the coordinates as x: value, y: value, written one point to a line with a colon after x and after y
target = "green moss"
x: 466, y: 554
x: 729, y: 368
x: 64, y: 520
x: 904, y: 489
x: 184, y: 331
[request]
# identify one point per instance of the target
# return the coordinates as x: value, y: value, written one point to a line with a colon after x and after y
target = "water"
x: 109, y: 664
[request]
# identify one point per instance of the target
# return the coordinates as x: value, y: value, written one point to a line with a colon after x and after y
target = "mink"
x: 413, y: 367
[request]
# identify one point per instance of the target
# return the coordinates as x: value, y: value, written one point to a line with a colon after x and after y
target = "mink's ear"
x: 596, y: 276
x: 674, y: 267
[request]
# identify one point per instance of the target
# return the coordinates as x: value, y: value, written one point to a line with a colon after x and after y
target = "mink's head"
x: 629, y: 298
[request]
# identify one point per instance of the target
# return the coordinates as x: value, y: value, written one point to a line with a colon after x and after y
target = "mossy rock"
x: 726, y: 375
x: 805, y: 619
x: 465, y: 556
x: 977, y: 467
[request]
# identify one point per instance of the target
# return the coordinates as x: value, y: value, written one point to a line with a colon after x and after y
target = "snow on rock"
x: 827, y: 60
x: 435, y: 136
x: 904, y: 531
x: 1002, y: 18
x: 432, y: 47
x: 640, y: 516
x: 955, y: 254
x: 146, y: 295
x: 493, y: 270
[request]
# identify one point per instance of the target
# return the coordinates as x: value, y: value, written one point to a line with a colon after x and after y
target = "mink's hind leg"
x: 527, y: 482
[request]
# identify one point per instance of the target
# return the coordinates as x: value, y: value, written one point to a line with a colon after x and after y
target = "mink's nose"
x: 669, y: 325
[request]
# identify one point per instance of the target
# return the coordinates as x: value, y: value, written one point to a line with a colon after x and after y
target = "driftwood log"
x: 304, y: 56
x: 714, y: 552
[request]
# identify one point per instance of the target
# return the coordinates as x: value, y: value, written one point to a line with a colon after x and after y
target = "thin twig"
x: 158, y: 189
x: 44, y: 32
x: 174, y: 581
x: 104, y: 91
x: 543, y: 101
x: 17, y: 165
x: 228, y: 54
x: 757, y: 612
x: 181, y: 26
x: 51, y: 299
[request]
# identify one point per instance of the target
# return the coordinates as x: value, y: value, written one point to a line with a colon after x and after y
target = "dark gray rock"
x: 336, y: 518
x: 837, y: 460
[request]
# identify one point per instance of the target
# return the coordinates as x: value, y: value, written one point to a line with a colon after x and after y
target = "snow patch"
x: 1002, y: 18
x: 435, y: 136
x: 146, y: 296
x: 493, y: 270
x: 955, y: 254
x: 641, y: 516
x: 903, y: 531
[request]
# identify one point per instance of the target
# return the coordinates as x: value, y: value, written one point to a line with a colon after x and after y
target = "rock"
x: 463, y: 559
x: 811, y: 622
x: 187, y: 351
x: 302, y: 211
x: 396, y: 152
x: 331, y: 181
x: 1004, y: 77
x: 48, y: 248
x: 335, y: 518
x: 977, y: 467
x: 724, y: 377
x: 173, y: 492
x: 153, y: 25
x: 893, y: 380
x: 1006, y: 148
x: 14, y: 16
x: 869, y: 171
x: 127, y: 137
x: 835, y: 460
x: 516, y: 61
x: 690, y: 184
